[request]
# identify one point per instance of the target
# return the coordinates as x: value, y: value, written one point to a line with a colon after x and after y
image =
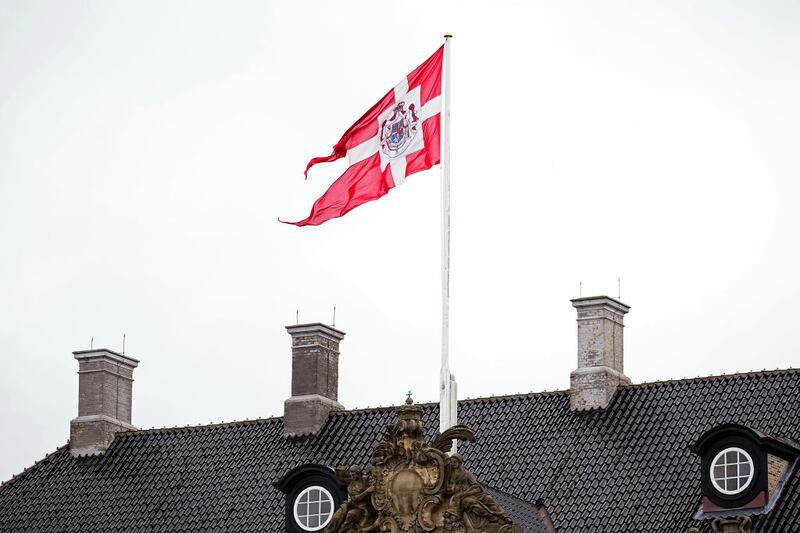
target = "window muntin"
x: 731, y: 470
x: 313, y: 508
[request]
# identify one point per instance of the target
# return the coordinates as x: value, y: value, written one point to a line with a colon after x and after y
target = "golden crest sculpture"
x: 415, y: 486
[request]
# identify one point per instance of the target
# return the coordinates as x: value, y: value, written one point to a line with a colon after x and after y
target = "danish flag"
x: 397, y: 137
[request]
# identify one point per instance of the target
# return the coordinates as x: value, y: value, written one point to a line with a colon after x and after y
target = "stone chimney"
x: 105, y: 389
x: 315, y: 378
x: 600, y: 369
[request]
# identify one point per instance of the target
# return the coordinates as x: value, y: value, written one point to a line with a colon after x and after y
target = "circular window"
x: 313, y: 508
x: 732, y: 470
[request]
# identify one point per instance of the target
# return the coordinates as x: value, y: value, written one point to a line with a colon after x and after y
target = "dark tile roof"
x: 626, y: 468
x: 532, y: 517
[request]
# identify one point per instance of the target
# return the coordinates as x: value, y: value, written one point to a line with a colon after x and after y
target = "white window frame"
x: 715, y: 481
x: 323, y: 491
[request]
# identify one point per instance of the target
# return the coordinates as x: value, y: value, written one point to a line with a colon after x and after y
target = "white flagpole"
x: 447, y: 401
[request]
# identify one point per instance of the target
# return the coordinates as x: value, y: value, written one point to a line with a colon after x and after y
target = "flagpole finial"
x: 448, y: 35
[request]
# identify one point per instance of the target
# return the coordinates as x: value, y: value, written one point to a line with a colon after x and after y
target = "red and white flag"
x: 397, y: 137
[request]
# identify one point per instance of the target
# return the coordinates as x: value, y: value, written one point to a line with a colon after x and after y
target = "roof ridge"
x: 522, y: 395
x: 34, y: 466
x: 747, y: 374
x: 502, y: 397
x: 360, y: 410
x: 519, y: 395
x: 189, y: 427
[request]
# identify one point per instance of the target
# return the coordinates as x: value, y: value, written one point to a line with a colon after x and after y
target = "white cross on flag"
x: 397, y: 137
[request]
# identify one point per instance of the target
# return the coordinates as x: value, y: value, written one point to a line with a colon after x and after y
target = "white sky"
x: 147, y: 149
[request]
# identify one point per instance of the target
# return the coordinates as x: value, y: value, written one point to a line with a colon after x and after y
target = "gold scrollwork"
x: 413, y: 485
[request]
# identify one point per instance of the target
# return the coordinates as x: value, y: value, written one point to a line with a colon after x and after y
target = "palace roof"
x: 627, y: 467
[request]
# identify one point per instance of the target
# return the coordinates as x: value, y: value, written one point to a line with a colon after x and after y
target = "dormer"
x: 742, y: 470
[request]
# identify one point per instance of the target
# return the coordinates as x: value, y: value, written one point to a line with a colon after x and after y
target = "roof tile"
x: 627, y: 467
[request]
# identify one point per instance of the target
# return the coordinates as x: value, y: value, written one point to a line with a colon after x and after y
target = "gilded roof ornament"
x: 415, y: 486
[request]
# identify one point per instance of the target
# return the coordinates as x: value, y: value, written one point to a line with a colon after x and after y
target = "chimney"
x: 105, y: 388
x: 315, y: 378
x: 600, y: 369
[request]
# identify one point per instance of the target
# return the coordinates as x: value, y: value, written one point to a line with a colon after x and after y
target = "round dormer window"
x: 313, y: 508
x: 732, y: 471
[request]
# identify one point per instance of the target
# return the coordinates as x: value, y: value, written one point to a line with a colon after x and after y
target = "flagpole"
x: 447, y: 400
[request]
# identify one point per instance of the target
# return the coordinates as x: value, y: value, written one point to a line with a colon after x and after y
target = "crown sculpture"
x: 415, y: 486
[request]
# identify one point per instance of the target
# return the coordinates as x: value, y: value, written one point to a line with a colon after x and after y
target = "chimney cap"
x: 315, y: 327
x: 589, y: 301
x: 105, y: 352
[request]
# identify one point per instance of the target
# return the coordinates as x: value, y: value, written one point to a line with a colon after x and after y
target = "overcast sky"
x: 147, y: 150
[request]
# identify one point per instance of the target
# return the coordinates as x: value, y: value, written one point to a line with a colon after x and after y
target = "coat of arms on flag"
x: 397, y: 137
x: 399, y: 129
